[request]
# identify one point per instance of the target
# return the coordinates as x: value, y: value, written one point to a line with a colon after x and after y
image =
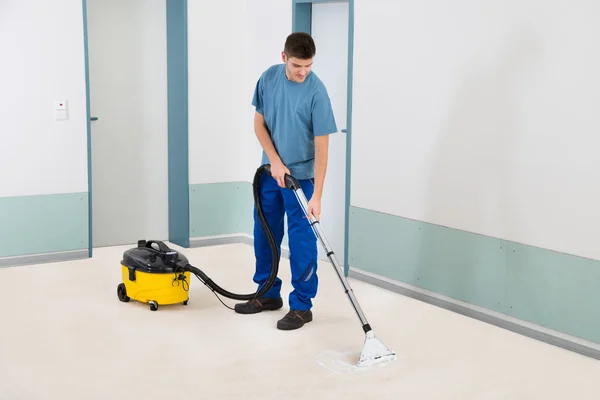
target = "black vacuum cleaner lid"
x: 148, y: 258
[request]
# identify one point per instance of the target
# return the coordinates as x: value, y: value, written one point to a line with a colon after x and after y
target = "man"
x: 292, y: 122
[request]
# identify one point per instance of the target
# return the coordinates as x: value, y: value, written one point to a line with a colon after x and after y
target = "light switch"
x: 60, y: 109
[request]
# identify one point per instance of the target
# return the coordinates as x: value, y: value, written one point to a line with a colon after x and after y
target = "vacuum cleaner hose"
x: 291, y: 183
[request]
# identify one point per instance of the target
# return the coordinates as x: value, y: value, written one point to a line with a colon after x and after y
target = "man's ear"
x: 283, y: 56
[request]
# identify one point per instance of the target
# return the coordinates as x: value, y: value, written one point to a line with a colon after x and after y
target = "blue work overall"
x: 276, y: 203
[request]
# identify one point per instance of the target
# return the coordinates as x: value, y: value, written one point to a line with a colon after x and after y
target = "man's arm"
x: 321, y: 158
x: 278, y: 169
x: 265, y: 139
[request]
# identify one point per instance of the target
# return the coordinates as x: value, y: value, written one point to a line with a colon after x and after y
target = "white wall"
x: 481, y: 116
x: 42, y: 54
x: 230, y: 43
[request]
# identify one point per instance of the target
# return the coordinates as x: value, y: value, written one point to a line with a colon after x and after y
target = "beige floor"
x: 64, y: 335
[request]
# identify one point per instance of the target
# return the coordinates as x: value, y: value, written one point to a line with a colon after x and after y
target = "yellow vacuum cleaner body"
x: 152, y: 273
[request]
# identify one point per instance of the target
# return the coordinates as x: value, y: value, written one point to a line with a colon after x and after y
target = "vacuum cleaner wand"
x: 374, y: 351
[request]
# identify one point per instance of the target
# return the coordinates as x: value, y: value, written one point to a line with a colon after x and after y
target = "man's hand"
x: 314, y: 207
x: 278, y: 171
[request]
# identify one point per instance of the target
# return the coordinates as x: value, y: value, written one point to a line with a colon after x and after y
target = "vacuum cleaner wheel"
x: 122, y: 293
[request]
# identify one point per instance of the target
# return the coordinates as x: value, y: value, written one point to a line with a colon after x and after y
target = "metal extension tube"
x: 292, y: 183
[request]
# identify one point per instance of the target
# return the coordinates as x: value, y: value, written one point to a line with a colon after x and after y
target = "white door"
x: 128, y: 95
x: 330, y: 32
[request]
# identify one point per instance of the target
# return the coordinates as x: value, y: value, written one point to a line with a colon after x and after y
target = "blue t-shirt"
x: 294, y: 114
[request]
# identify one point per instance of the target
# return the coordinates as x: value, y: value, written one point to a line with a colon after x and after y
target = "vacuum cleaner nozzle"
x: 374, y: 351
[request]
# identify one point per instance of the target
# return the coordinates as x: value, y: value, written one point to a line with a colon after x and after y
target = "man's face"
x: 296, y: 69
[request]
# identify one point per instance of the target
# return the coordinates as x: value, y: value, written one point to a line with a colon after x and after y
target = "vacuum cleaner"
x: 155, y: 274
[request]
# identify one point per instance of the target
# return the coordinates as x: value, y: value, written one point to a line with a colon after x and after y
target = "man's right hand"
x: 278, y: 171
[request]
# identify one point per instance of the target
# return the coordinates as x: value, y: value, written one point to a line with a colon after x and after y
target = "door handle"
x: 344, y: 131
x: 94, y: 119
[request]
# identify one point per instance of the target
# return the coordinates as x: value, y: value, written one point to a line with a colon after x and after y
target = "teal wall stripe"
x: 89, y: 127
x: 550, y: 289
x: 178, y: 153
x: 221, y: 209
x: 43, y: 224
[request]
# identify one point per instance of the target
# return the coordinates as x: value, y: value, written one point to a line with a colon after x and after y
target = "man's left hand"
x: 314, y: 207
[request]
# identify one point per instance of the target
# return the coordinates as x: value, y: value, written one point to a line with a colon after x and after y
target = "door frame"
x: 177, y: 86
x: 89, y: 125
x: 301, y: 22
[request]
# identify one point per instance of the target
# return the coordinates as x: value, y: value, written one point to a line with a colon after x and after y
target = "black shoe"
x: 258, y: 305
x: 294, y: 319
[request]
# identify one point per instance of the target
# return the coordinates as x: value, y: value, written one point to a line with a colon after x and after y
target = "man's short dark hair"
x: 300, y: 45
